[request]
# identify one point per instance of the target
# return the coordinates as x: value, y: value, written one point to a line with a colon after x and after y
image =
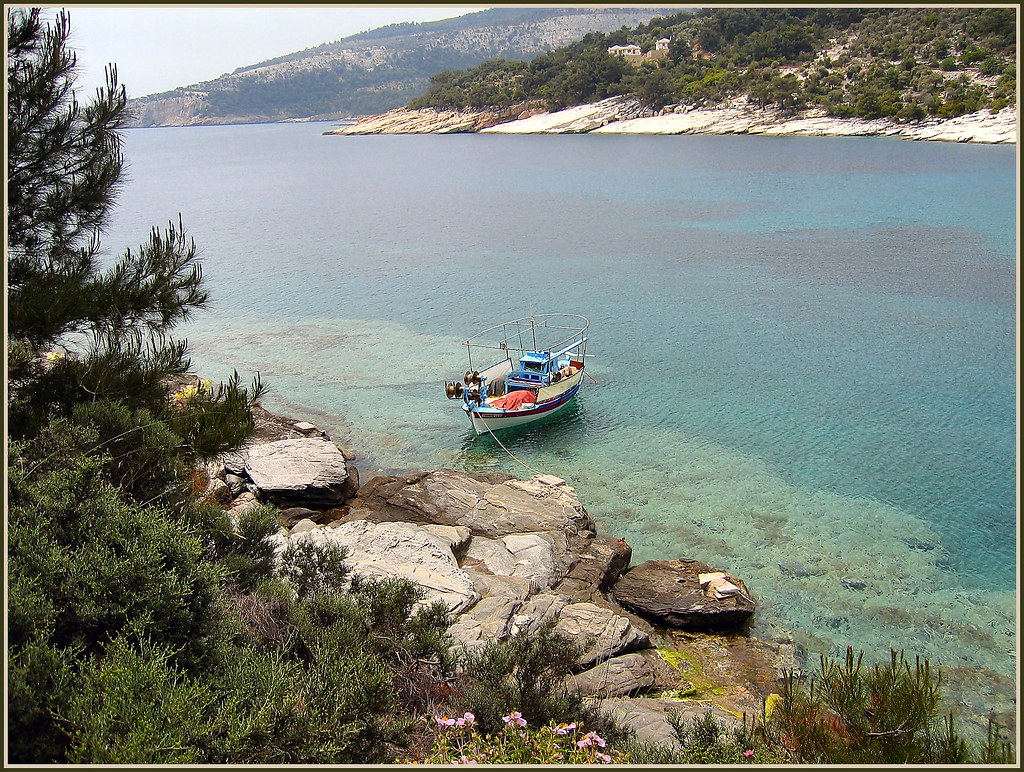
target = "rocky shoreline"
x: 505, y: 554
x: 623, y: 115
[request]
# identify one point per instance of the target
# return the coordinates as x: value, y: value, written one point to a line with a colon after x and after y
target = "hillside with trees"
x: 375, y: 70
x: 900, y: 63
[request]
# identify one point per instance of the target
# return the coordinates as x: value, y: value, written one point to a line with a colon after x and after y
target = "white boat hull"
x: 552, y: 399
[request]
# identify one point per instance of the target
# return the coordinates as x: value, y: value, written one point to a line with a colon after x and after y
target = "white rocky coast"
x: 621, y: 115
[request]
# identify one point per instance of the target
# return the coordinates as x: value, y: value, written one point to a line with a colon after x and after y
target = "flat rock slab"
x: 489, y: 505
x: 616, y: 677
x: 299, y: 472
x: 669, y: 591
x: 604, y: 633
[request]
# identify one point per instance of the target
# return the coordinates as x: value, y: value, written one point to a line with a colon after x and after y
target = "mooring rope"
x: 502, y: 446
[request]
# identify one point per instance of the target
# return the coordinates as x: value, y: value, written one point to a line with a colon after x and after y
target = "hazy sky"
x: 158, y: 48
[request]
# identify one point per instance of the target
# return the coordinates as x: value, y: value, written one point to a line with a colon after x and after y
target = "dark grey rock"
x: 669, y: 592
x: 599, y: 563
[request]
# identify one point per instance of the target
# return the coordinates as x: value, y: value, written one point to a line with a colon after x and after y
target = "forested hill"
x: 376, y: 70
x: 905, y: 63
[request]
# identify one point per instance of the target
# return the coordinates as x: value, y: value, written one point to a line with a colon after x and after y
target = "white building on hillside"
x: 630, y: 50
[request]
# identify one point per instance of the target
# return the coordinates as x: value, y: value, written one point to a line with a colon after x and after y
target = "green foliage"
x: 212, y: 421
x: 705, y: 740
x: 37, y: 676
x: 313, y: 567
x: 142, y: 452
x: 97, y: 564
x: 888, y: 713
x: 409, y: 635
x: 133, y: 705
x: 242, y: 545
x: 334, y: 704
x: 527, y: 673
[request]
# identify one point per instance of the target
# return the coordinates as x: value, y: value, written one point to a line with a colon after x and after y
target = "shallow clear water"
x: 805, y: 348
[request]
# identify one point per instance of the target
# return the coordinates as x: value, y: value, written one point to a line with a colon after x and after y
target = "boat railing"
x: 513, y: 333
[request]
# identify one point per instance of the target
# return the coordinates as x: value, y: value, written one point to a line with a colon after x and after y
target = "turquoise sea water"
x: 805, y: 366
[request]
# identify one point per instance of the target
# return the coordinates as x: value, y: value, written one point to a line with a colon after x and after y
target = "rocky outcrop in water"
x: 676, y: 593
x: 502, y: 554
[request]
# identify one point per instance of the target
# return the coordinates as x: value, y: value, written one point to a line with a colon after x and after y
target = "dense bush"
x: 524, y: 673
x: 887, y: 713
x: 87, y: 567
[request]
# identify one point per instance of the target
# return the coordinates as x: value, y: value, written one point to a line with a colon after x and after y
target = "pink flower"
x: 584, y: 742
x: 514, y: 718
x: 604, y: 759
x: 595, y: 738
x: 469, y: 718
x: 444, y: 720
x: 564, y: 729
x: 748, y: 752
x: 465, y: 760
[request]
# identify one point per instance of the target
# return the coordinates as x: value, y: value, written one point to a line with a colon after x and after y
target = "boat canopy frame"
x: 512, y: 333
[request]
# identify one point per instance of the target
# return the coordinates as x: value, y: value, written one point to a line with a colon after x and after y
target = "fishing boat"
x: 538, y: 371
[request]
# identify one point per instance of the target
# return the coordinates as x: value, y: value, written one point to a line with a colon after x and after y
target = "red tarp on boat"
x: 514, y: 400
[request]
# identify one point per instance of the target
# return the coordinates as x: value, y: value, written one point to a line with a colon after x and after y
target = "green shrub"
x: 88, y: 565
x: 331, y: 703
x: 243, y: 546
x: 37, y: 675
x: 132, y: 705
x: 395, y: 616
x: 705, y: 740
x: 527, y: 673
x: 142, y: 451
x: 888, y: 713
x: 386, y: 618
x: 313, y: 567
